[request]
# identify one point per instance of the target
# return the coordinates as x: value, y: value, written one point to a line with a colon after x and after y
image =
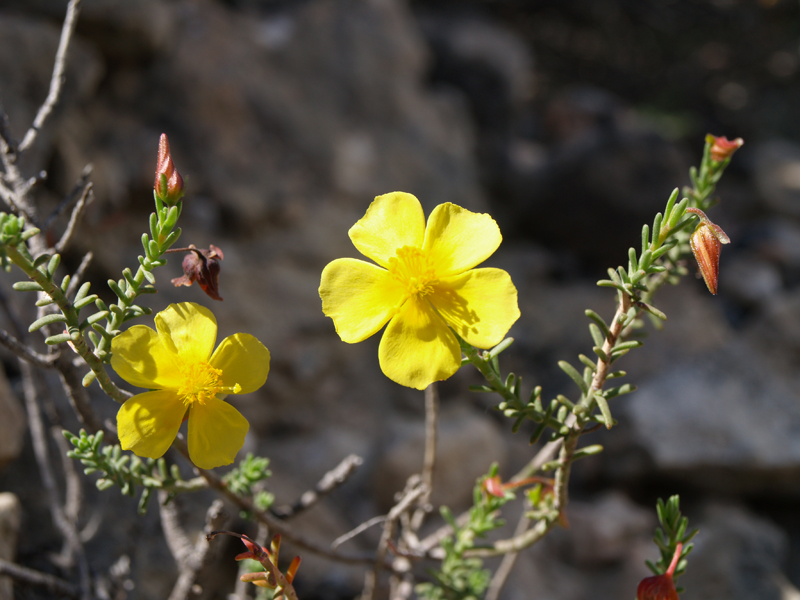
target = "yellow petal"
x: 457, y: 239
x: 359, y: 297
x: 392, y: 221
x: 243, y: 360
x: 480, y: 305
x: 149, y: 422
x: 216, y: 433
x: 189, y: 330
x: 417, y: 348
x: 142, y: 360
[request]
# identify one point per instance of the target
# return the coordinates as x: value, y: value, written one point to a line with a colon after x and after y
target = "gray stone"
x: 776, y: 166
x: 736, y: 557
x: 724, y: 421
x: 602, y: 531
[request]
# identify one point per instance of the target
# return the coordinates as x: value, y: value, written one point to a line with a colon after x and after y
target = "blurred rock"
x: 777, y: 175
x: 737, y: 557
x: 10, y: 521
x: 602, y: 531
x: 726, y: 421
x: 605, y: 172
x: 12, y: 423
x: 466, y: 445
x: 750, y: 280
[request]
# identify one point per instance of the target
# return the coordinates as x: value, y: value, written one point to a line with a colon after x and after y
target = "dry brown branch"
x: 45, y: 361
x: 414, y: 490
x: 191, y: 558
x: 57, y: 79
x: 329, y: 482
x: 29, y: 577
x: 73, y: 548
x: 85, y: 200
x: 77, y: 277
x: 276, y: 525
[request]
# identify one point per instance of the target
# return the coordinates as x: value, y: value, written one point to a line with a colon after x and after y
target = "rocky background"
x: 570, y: 122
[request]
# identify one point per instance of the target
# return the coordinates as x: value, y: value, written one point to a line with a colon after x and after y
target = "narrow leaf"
x: 574, y: 375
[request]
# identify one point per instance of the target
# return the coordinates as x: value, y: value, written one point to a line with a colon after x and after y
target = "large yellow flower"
x: 187, y: 380
x: 424, y: 286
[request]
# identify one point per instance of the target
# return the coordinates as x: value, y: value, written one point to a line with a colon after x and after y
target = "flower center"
x: 414, y: 269
x: 201, y: 382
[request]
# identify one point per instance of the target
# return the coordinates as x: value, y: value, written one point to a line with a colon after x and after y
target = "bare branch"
x: 414, y: 490
x: 357, y: 531
x: 507, y: 564
x: 268, y: 519
x: 329, y: 482
x: 77, y: 277
x: 178, y: 542
x: 74, y: 491
x: 8, y: 145
x: 74, y: 218
x: 72, y: 543
x: 29, y: 577
x: 46, y: 361
x: 73, y: 385
x: 57, y: 80
x: 77, y: 191
x: 429, y: 459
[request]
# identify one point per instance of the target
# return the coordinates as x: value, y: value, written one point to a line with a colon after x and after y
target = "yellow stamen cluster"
x: 414, y: 269
x: 201, y: 382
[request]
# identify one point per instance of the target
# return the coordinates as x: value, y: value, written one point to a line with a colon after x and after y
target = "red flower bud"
x: 169, y: 183
x: 203, y: 267
x: 723, y: 148
x: 706, y: 243
x: 494, y: 486
x: 660, y: 587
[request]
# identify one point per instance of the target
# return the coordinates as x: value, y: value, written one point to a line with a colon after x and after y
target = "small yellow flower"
x: 187, y: 381
x: 424, y: 285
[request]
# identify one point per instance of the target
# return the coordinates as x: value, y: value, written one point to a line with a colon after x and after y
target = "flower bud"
x: 494, y: 486
x: 168, y: 185
x: 706, y: 243
x: 722, y: 148
x: 202, y: 266
x: 660, y: 587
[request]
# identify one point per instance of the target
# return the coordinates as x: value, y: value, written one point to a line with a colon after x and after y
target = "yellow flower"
x: 186, y: 380
x: 424, y: 285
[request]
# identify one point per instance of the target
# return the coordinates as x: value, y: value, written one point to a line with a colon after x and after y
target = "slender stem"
x: 45, y: 361
x: 29, y: 577
x: 329, y: 482
x: 57, y: 79
x: 72, y: 321
x: 429, y: 458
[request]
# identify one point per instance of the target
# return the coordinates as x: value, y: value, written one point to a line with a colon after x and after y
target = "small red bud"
x: 494, y: 486
x: 169, y: 183
x: 722, y: 148
x: 706, y: 243
x: 660, y: 587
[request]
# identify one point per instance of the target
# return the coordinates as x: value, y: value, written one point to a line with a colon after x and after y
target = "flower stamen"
x: 201, y: 382
x: 414, y: 269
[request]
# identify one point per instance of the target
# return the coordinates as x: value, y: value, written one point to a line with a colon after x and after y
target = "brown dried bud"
x: 660, y: 587
x: 169, y: 183
x: 706, y: 243
x: 203, y: 267
x: 722, y: 148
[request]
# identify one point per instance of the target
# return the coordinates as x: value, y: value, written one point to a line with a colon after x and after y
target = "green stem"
x: 20, y: 256
x: 488, y: 372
